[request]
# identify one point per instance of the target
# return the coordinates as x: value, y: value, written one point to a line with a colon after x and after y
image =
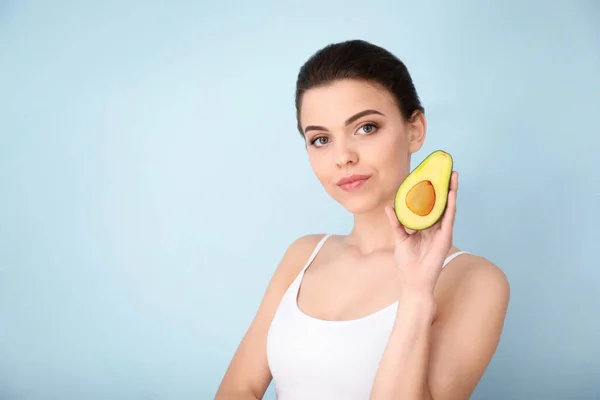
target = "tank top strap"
x: 453, y: 256
x: 315, y: 252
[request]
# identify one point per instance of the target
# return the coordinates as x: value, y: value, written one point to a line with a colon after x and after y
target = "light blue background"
x: 150, y: 171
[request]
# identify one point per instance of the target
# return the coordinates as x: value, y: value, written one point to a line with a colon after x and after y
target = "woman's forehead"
x: 336, y: 102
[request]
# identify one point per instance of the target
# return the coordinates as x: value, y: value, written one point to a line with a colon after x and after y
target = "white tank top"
x: 315, y: 359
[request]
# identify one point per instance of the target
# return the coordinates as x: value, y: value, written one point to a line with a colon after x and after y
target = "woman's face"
x: 354, y: 129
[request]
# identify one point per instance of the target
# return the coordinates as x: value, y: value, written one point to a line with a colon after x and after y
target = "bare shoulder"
x: 296, y: 256
x: 292, y: 262
x: 303, y: 246
x: 474, y: 278
x: 483, y: 273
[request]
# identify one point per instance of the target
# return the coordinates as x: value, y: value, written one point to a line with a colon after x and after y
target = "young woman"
x: 383, y: 312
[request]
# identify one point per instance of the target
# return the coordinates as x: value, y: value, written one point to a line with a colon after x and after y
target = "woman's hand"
x: 420, y: 255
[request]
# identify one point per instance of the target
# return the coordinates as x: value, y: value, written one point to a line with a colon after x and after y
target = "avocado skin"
x: 436, y: 168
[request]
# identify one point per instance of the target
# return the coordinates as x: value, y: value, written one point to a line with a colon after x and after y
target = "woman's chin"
x: 360, y: 204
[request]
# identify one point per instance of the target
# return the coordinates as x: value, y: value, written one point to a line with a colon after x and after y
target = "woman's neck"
x: 371, y: 232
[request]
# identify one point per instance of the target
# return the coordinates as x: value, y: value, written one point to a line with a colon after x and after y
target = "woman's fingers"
x: 450, y: 213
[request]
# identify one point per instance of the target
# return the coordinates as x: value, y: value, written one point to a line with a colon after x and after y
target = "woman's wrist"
x: 423, y: 301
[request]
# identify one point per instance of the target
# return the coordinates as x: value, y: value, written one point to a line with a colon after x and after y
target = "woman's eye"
x: 319, y: 141
x: 368, y: 128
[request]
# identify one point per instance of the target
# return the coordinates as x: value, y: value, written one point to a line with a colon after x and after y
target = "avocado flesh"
x: 422, y: 197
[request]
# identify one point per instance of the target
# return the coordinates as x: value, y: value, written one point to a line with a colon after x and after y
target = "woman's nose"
x: 345, y: 154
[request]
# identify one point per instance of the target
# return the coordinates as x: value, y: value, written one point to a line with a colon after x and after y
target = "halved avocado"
x: 422, y: 197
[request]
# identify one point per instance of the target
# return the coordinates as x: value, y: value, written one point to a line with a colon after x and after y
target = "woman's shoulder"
x: 473, y: 265
x: 305, y: 245
x: 296, y: 255
x: 473, y: 278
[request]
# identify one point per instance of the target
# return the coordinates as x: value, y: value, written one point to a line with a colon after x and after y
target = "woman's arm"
x: 445, y: 359
x: 248, y: 374
x: 402, y: 372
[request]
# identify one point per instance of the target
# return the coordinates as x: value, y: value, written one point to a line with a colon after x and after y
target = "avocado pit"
x: 420, y: 199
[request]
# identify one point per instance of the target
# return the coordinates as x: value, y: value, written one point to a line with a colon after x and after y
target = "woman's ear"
x: 417, y: 129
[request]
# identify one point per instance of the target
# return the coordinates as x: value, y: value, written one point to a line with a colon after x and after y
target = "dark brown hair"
x: 358, y: 59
